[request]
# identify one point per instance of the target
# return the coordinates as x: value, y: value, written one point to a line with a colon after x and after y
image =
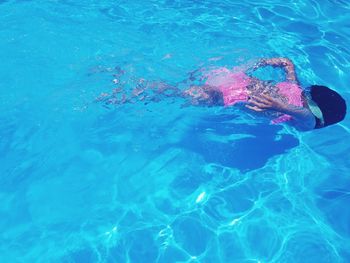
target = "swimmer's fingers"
x: 270, y: 100
x: 266, y: 97
x: 275, y: 104
x: 259, y: 103
x: 261, y: 99
x: 254, y: 108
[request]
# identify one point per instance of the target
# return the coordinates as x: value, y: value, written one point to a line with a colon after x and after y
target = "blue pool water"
x: 83, y: 181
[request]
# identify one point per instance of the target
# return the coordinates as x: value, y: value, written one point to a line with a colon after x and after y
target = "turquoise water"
x: 83, y: 181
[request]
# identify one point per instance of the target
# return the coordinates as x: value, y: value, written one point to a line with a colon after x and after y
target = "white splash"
x: 200, y: 197
x: 235, y: 221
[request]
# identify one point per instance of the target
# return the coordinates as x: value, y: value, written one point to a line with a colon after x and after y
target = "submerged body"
x: 284, y: 102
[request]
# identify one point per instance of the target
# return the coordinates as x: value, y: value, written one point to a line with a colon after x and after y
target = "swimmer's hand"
x: 265, y: 102
x: 303, y: 117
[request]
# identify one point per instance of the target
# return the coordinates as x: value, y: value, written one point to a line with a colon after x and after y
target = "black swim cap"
x: 331, y: 104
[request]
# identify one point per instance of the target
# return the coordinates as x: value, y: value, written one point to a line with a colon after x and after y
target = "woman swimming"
x: 313, y: 108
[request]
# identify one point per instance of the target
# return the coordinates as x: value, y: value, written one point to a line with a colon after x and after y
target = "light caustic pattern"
x: 85, y: 179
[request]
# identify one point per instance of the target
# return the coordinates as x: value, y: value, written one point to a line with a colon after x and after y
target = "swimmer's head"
x: 330, y: 103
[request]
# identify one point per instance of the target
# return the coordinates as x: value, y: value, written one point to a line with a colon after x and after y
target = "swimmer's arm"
x: 303, y: 118
x: 285, y: 63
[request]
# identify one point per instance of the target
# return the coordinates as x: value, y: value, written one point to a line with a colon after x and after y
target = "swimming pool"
x: 86, y: 182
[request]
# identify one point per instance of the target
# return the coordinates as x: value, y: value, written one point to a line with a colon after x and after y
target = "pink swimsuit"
x: 233, y: 86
